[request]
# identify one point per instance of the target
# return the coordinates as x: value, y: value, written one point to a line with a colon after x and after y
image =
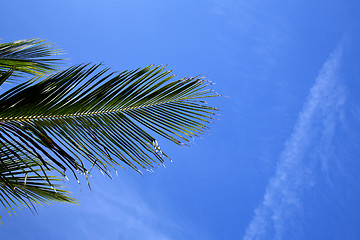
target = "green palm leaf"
x: 86, y: 117
x: 31, y: 56
x: 85, y: 112
x: 23, y: 180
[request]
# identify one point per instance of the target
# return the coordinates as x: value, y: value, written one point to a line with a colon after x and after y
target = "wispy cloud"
x: 266, y: 30
x: 120, y: 212
x: 315, y: 127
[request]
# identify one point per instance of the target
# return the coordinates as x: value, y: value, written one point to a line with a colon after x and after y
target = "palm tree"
x: 85, y: 117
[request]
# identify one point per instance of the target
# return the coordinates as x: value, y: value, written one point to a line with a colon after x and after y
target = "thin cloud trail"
x: 317, y: 119
x: 127, y: 214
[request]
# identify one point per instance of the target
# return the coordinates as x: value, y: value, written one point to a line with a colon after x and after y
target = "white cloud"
x: 318, y: 118
x: 117, y: 211
x: 266, y: 31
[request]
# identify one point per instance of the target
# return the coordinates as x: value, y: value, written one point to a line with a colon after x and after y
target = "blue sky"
x: 281, y: 162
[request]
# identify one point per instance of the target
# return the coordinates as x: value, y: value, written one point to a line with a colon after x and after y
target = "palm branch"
x: 23, y: 181
x: 31, y: 56
x: 87, y: 117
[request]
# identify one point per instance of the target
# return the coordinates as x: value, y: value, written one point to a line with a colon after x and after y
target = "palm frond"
x: 4, y: 76
x: 31, y: 56
x: 24, y: 182
x: 85, y: 112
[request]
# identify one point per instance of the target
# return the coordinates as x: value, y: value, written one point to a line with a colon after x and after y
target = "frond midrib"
x: 84, y: 114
